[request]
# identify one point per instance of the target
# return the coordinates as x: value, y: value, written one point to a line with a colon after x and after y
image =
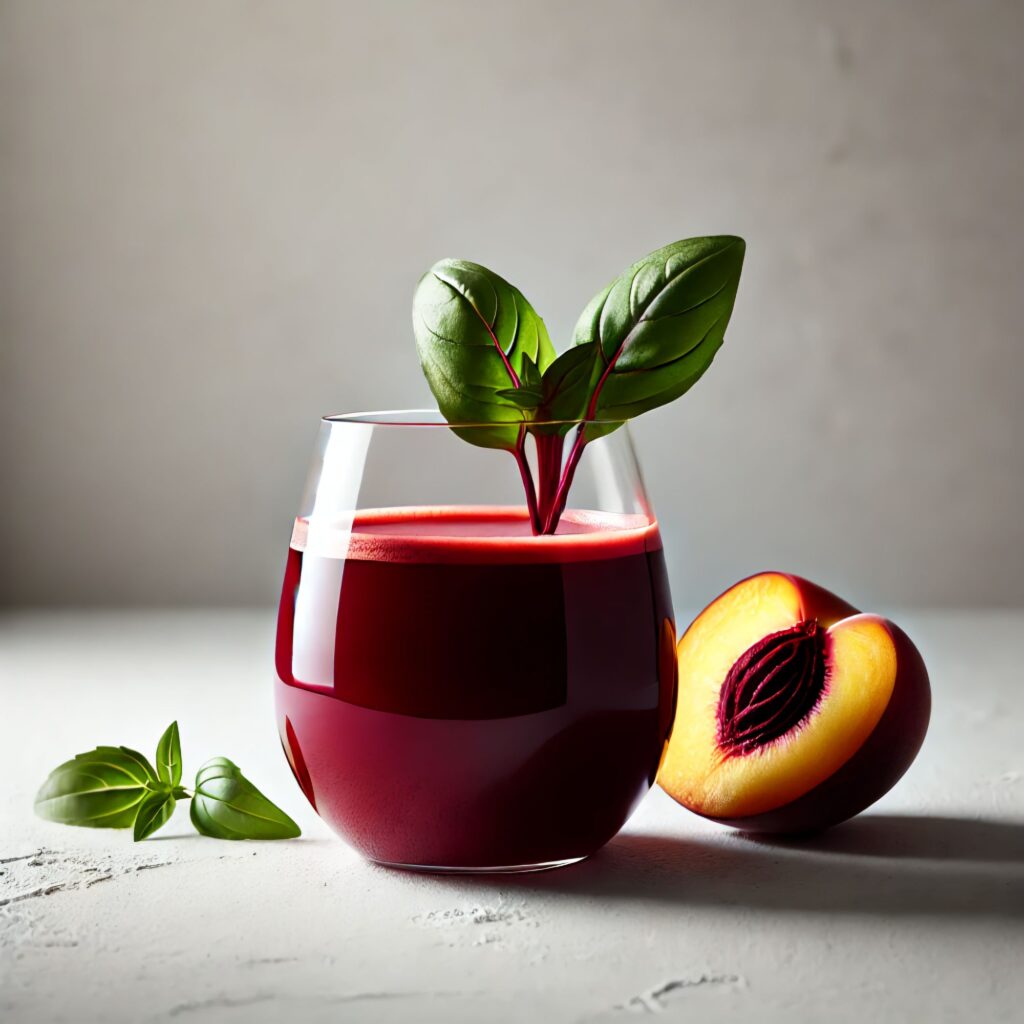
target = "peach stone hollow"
x: 772, y: 688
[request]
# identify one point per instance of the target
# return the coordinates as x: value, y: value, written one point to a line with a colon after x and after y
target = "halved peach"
x: 794, y: 711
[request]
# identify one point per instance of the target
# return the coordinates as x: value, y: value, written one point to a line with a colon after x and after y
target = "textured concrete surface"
x: 212, y: 218
x: 914, y: 912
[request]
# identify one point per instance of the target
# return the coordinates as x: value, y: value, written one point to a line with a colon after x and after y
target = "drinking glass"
x: 455, y: 693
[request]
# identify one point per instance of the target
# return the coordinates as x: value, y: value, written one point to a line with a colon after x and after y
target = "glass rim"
x: 433, y: 418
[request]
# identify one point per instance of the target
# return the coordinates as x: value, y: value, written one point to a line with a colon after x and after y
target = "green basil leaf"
x: 99, y: 789
x: 569, y: 381
x: 657, y: 327
x: 530, y: 378
x: 226, y: 805
x: 154, y: 812
x: 168, y: 756
x: 523, y: 398
x: 478, y: 338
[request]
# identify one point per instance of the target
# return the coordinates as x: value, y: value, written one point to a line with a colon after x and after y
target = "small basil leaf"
x: 569, y: 380
x: 666, y: 316
x: 531, y: 378
x: 168, y: 756
x: 477, y: 337
x: 226, y: 805
x: 99, y: 789
x: 524, y: 399
x: 154, y: 812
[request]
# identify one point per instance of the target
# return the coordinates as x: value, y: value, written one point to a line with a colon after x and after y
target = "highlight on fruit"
x: 795, y: 711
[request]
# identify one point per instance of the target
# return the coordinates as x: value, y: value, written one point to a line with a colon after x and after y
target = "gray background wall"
x: 212, y: 217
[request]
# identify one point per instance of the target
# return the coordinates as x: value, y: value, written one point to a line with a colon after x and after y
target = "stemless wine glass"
x: 455, y: 693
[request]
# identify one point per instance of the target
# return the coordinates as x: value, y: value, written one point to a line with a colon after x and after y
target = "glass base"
x: 503, y: 869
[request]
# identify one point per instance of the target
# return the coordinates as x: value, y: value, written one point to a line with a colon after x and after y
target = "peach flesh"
x: 785, y: 726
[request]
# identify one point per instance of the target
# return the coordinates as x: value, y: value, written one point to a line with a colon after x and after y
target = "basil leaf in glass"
x: 99, y: 789
x: 154, y: 812
x: 479, y: 339
x: 226, y: 805
x: 168, y: 756
x: 657, y: 327
x: 643, y: 341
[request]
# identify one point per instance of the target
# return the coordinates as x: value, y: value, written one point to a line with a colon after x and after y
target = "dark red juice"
x: 455, y: 692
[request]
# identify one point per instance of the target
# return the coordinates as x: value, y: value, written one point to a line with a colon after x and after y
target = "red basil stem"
x: 536, y: 524
x: 549, y: 466
x: 546, y: 504
x: 551, y: 510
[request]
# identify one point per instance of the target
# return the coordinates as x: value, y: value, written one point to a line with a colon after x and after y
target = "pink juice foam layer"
x: 479, y: 535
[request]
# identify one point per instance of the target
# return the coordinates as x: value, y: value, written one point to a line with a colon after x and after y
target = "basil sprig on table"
x: 116, y: 787
x: 643, y: 341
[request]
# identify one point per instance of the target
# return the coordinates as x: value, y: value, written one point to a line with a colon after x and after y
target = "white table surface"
x: 913, y: 912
